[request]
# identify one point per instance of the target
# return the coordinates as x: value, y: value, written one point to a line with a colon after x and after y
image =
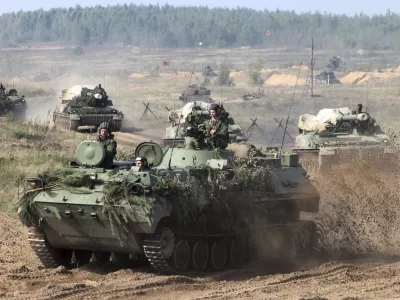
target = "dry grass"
x: 27, y: 149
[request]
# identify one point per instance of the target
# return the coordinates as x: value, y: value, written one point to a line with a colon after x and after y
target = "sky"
x: 347, y: 7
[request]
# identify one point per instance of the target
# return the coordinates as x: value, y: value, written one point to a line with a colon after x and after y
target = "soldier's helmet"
x: 143, y: 160
x: 214, y: 107
x: 103, y: 125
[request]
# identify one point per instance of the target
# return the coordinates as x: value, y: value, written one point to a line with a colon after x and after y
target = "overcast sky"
x: 369, y: 7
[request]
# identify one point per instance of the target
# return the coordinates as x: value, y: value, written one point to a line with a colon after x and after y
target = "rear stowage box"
x: 287, y: 159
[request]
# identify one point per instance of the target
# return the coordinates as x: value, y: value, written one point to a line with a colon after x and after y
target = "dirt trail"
x: 21, y: 277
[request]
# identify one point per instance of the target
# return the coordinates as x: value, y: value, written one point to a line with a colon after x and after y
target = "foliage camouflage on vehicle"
x: 85, y: 108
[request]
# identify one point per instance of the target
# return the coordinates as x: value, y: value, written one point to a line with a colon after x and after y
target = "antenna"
x: 310, y: 75
x: 190, y: 79
x: 312, y: 67
x: 104, y: 80
x: 179, y: 124
x: 220, y: 100
x: 290, y: 108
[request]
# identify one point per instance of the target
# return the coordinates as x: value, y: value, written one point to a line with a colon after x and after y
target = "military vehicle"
x: 85, y: 108
x: 195, y: 113
x: 326, y: 77
x: 12, y: 104
x: 196, y: 92
x: 209, y: 72
x: 339, y: 135
x: 195, y: 209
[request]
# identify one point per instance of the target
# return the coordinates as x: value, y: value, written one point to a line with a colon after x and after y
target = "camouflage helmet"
x: 103, y: 125
x: 215, y: 107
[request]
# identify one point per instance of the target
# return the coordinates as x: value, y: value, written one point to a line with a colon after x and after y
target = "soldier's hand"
x: 212, y: 132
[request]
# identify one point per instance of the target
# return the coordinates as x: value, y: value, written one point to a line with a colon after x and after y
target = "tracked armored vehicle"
x: 85, y: 108
x: 193, y: 209
x: 195, y: 113
x: 12, y: 104
x: 337, y: 136
x: 196, y: 92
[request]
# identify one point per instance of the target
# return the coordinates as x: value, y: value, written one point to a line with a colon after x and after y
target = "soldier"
x: 2, y: 91
x: 110, y: 145
x: 101, y: 91
x: 142, y: 164
x: 216, y: 129
x: 359, y: 108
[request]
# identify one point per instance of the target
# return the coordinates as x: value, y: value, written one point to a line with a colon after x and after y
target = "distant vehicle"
x: 338, y: 135
x: 85, y: 108
x: 326, y: 77
x: 12, y: 104
x: 196, y: 92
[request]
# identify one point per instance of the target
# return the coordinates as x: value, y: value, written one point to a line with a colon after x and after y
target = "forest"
x: 166, y: 26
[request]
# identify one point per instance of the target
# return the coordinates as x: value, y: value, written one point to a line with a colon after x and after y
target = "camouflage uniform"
x: 220, y: 138
x: 110, y: 146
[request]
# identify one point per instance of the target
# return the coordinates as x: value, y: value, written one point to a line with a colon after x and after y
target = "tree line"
x: 173, y: 27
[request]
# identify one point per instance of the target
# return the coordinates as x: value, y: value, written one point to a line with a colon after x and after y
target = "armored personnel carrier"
x: 196, y: 92
x: 195, y: 113
x: 339, y: 135
x: 85, y: 108
x: 192, y: 209
x: 12, y: 104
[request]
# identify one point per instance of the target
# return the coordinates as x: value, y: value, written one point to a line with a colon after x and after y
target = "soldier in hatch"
x: 142, y: 164
x: 216, y: 129
x: 2, y: 91
x: 110, y: 145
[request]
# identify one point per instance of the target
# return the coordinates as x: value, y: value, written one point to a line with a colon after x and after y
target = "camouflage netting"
x: 222, y: 188
x: 126, y: 199
x: 75, y: 182
x: 79, y: 182
x: 120, y: 204
x: 87, y: 98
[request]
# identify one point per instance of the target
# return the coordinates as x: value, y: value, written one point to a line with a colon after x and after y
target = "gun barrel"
x: 201, y: 113
x: 359, y: 117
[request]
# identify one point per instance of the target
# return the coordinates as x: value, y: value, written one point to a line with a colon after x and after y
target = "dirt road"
x: 21, y: 277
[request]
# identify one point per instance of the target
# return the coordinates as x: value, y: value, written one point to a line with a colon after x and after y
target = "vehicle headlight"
x: 93, y: 176
x: 33, y: 183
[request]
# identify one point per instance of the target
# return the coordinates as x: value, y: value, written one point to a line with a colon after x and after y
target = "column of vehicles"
x: 195, y: 208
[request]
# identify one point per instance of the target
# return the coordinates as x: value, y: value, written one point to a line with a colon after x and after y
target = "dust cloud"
x: 359, y: 207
